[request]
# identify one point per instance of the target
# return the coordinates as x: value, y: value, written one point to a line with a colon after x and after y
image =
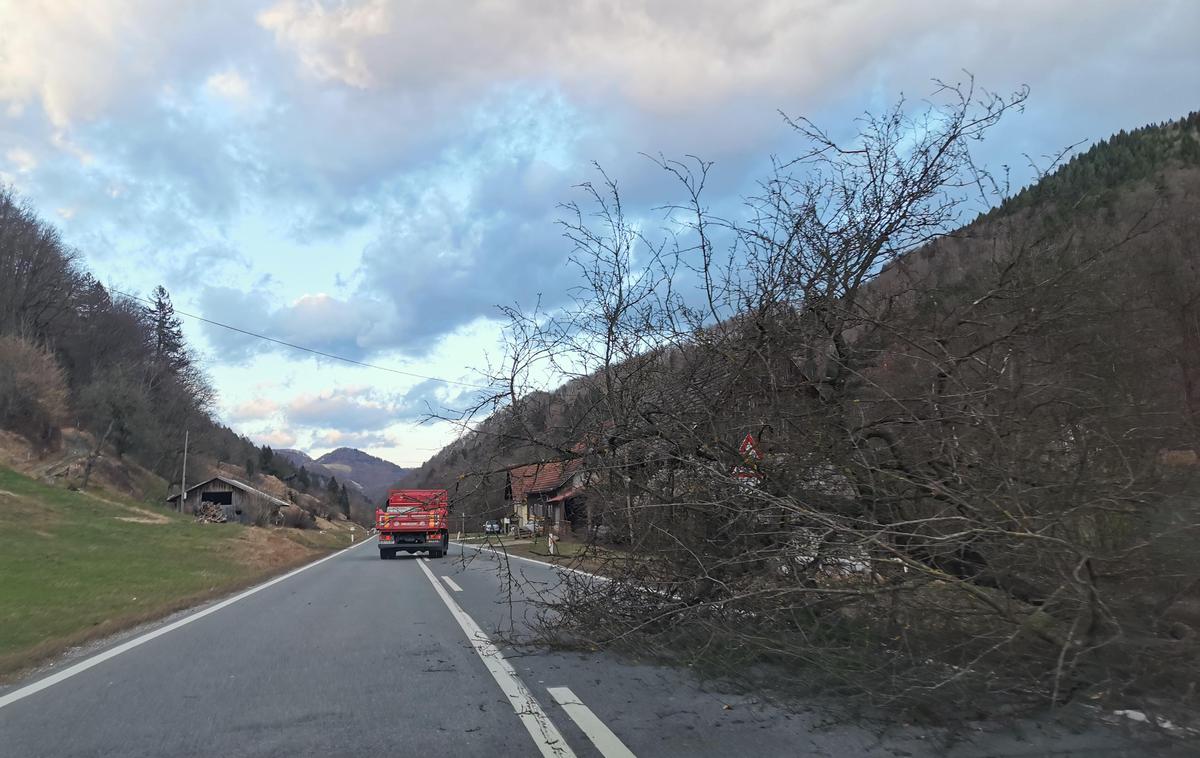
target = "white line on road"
x: 545, y: 735
x: 99, y: 658
x: 609, y: 745
x: 503, y: 554
x: 451, y: 583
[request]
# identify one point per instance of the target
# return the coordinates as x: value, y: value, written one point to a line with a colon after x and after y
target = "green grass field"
x: 75, y: 567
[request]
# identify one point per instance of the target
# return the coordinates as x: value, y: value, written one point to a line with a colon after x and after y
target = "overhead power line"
x: 302, y: 348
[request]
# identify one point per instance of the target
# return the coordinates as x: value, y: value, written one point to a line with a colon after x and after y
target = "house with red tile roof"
x: 550, y: 494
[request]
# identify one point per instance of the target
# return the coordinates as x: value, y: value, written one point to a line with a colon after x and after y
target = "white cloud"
x: 320, y: 321
x: 254, y: 409
x: 275, y: 438
x: 21, y: 159
x: 677, y: 55
x: 230, y: 85
x: 75, y: 58
x: 345, y: 410
x: 323, y: 319
x: 365, y: 409
x: 328, y: 40
x: 361, y: 440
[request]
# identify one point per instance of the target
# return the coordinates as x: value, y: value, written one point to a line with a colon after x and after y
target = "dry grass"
x: 64, y: 466
x: 270, y: 549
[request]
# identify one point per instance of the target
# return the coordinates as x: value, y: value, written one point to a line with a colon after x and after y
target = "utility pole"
x: 183, y: 478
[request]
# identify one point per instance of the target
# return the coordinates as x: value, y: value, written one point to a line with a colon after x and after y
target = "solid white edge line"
x: 503, y: 554
x: 609, y: 745
x: 98, y: 658
x: 452, y: 584
x: 545, y: 735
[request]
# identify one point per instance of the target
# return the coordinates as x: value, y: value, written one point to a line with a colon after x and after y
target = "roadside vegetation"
x: 81, y: 565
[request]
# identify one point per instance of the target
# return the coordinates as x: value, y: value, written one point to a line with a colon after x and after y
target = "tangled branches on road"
x: 962, y: 489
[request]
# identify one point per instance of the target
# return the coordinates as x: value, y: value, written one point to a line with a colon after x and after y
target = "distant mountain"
x: 299, y: 458
x: 362, y: 471
x: 374, y: 475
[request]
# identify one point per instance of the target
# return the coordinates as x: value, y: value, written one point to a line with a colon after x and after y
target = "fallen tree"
x: 965, y: 489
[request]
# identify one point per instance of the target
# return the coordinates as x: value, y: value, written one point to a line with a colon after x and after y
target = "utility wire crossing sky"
x: 302, y: 348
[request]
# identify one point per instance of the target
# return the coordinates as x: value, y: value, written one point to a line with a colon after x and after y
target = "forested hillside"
x: 1094, y: 177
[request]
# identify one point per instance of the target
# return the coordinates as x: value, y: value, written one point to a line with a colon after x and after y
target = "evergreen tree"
x: 1190, y: 150
x: 167, y: 333
x: 266, y: 460
x: 303, y: 478
x: 344, y: 501
x: 1090, y: 179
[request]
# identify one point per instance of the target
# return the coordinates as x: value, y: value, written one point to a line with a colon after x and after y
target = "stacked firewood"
x: 210, y: 514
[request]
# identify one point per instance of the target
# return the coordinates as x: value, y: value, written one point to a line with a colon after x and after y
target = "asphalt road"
x: 358, y: 656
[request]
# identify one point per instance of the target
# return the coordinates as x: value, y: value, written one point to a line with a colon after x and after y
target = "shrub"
x: 33, y: 391
x: 297, y: 518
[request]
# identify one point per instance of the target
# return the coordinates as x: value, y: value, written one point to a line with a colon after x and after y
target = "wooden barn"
x: 238, y: 500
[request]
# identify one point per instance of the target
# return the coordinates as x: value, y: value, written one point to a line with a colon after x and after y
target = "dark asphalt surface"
x: 358, y: 656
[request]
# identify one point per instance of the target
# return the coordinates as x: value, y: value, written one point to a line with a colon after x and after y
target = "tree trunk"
x: 91, y: 461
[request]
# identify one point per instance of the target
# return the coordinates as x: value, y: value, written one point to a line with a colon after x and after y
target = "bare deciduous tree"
x: 962, y: 488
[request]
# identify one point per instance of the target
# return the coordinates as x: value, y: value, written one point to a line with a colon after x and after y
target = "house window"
x: 217, y: 498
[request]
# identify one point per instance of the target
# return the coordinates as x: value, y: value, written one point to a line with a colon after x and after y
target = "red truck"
x: 414, y: 521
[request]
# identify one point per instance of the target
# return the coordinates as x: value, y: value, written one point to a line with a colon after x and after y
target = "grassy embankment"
x: 75, y: 566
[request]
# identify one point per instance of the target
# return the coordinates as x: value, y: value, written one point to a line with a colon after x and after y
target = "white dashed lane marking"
x: 545, y: 735
x: 609, y: 745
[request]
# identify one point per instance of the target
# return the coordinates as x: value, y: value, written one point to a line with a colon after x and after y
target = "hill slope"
x: 374, y: 475
x: 301, y: 459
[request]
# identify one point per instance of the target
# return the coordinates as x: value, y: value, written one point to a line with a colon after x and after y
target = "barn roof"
x: 232, y: 483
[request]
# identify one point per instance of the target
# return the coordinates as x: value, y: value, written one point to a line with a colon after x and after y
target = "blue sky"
x: 372, y: 177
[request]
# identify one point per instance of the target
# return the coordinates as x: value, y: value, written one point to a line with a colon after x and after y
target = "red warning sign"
x: 751, y: 457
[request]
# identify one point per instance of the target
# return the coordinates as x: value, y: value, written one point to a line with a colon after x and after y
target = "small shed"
x: 239, y: 501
